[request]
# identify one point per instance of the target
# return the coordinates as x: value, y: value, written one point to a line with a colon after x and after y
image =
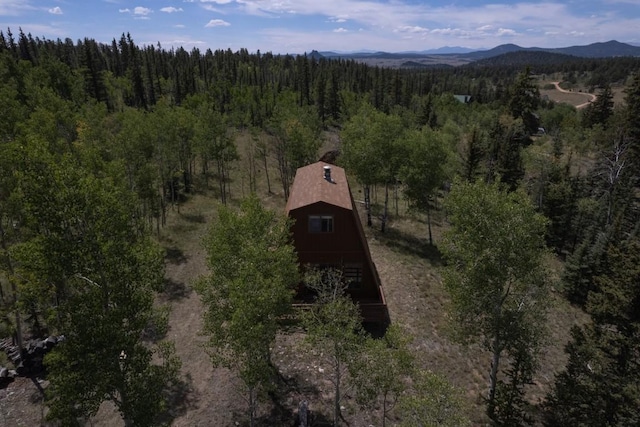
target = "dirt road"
x: 591, y: 96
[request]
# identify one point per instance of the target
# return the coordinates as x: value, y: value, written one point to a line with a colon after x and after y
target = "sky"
x: 297, y: 26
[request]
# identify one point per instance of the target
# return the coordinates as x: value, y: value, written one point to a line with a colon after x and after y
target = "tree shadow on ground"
x: 174, y: 290
x: 196, y: 218
x: 282, y: 411
x: 409, y: 245
x: 175, y: 255
x: 375, y: 329
x: 180, y: 398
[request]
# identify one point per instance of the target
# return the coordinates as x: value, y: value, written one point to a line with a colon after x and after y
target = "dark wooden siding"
x: 342, y: 246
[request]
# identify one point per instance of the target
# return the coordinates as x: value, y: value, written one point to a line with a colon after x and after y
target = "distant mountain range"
x: 453, y: 56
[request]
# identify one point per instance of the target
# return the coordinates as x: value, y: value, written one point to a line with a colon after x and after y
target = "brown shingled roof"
x: 310, y: 186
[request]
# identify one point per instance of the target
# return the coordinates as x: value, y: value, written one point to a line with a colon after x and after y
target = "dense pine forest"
x: 525, y: 201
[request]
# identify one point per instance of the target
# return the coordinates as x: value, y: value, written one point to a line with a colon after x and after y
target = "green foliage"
x: 297, y: 138
x: 495, y: 274
x: 632, y: 99
x: 381, y: 370
x: 472, y: 153
x: 253, y: 268
x: 495, y: 248
x: 584, y: 264
x: 558, y: 117
x: 374, y: 149
x: 507, y: 137
x: 600, y: 110
x: 424, y: 169
x: 599, y: 386
x: 433, y: 402
x: 524, y: 100
x: 632, y: 113
x: 88, y: 262
x: 96, y: 139
x: 374, y: 146
x: 214, y: 142
x: 334, y: 327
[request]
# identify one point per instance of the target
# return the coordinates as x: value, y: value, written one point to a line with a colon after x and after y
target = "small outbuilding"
x: 327, y: 233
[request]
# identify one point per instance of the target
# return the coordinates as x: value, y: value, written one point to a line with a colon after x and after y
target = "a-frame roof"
x: 310, y: 186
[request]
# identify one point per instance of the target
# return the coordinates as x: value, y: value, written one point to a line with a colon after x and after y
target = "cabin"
x: 465, y: 99
x: 327, y: 233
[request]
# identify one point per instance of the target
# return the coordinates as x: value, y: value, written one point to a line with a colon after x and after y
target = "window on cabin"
x: 320, y: 224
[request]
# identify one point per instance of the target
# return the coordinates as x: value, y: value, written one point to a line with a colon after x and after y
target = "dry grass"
x: 578, y: 95
x: 409, y: 269
x: 571, y: 98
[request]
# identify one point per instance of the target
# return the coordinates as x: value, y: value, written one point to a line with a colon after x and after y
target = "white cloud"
x: 55, y: 11
x: 390, y: 25
x: 506, y: 32
x: 411, y: 29
x: 217, y: 23
x: 142, y: 11
x: 479, y: 25
x: 211, y: 8
x: 179, y: 26
x: 14, y: 7
x: 456, y: 32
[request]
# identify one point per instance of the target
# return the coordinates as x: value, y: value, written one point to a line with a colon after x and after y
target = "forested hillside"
x: 523, y: 206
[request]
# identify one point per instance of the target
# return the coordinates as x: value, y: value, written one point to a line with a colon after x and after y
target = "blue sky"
x: 296, y: 26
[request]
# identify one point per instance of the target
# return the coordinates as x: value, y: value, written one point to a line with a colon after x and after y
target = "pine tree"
x: 632, y: 99
x: 524, y: 100
x: 599, y: 386
x: 600, y: 110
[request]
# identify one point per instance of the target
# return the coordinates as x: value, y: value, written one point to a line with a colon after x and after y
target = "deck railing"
x: 374, y: 311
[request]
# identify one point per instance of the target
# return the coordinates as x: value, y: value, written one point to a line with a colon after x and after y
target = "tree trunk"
x: 493, y: 378
x: 395, y: 197
x: 221, y: 182
x: 367, y: 204
x: 266, y: 172
x: 205, y: 171
x: 252, y: 407
x: 386, y: 208
x: 384, y: 410
x: 336, y: 402
x: 14, y: 289
x: 429, y: 222
x: 227, y: 183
